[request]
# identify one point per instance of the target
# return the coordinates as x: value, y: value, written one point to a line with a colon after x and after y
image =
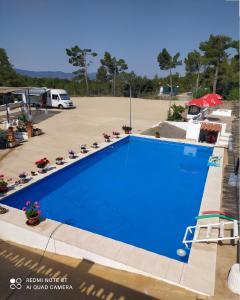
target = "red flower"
x: 42, y: 162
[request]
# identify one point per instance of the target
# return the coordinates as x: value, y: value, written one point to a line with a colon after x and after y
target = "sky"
x: 35, y: 33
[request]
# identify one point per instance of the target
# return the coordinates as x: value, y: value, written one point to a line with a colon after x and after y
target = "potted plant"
x: 3, y: 210
x: 59, y: 160
x: 37, y: 131
x: 71, y: 154
x: 23, y: 177
x: 32, y: 212
x: 42, y: 164
x: 157, y: 135
x: 127, y: 129
x: 21, y: 133
x: 3, y: 184
x: 106, y: 137
x: 83, y: 148
x: 95, y: 145
x: 116, y: 134
x: 10, y: 137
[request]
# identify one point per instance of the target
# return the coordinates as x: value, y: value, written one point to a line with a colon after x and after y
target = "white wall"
x: 182, y: 125
x: 193, y: 129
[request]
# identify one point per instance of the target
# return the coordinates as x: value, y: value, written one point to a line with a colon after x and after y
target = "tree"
x: 168, y: 62
x: 235, y: 45
x: 113, y: 67
x: 101, y: 75
x: 228, y: 82
x: 130, y: 83
x: 215, y: 53
x: 194, y: 63
x: 80, y: 58
x: 8, y: 75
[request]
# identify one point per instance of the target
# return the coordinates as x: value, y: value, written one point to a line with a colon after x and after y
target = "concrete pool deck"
x: 198, y: 275
x: 100, y: 280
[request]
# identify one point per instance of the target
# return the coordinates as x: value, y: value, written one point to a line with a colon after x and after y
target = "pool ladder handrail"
x: 209, y: 227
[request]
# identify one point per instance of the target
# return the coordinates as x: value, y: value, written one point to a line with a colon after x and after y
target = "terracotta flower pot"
x: 29, y: 129
x: 33, y: 220
x: 41, y: 170
x: 23, y: 180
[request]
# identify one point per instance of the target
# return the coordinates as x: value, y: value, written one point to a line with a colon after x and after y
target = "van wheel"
x: 60, y: 106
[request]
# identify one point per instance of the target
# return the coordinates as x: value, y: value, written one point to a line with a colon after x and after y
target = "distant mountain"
x: 50, y: 74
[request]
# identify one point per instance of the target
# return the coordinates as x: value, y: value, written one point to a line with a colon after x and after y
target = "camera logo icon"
x: 15, y: 283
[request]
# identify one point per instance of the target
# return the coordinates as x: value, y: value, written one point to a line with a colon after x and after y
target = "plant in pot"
x: 22, y: 118
x: 42, y: 164
x: 157, y: 135
x: 95, y: 145
x: 59, y: 160
x: 21, y: 129
x: 127, y: 129
x: 21, y: 133
x: 32, y: 212
x: 23, y: 177
x: 3, y: 184
x: 71, y: 154
x: 37, y: 131
x: 83, y: 148
x: 106, y: 137
x: 116, y: 134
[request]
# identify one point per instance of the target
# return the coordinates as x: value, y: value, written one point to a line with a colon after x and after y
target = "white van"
x: 52, y: 97
x: 58, y: 98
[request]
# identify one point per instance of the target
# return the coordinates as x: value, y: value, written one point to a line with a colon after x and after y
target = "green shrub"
x: 201, y: 92
x: 175, y: 113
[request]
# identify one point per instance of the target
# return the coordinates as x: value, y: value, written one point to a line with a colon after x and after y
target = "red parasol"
x: 209, y: 100
x: 212, y: 97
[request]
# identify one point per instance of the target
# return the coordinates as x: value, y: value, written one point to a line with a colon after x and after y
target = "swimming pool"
x: 140, y: 191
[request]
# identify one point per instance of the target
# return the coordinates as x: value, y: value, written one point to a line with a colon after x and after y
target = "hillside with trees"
x: 213, y: 67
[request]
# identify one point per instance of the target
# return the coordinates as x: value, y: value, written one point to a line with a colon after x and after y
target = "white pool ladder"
x: 206, y: 231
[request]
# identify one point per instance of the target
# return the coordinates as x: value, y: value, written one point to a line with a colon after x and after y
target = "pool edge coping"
x: 70, y: 241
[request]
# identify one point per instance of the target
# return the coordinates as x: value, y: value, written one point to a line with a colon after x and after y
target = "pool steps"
x: 222, y: 227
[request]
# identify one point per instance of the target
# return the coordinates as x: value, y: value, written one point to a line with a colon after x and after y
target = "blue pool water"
x: 140, y: 191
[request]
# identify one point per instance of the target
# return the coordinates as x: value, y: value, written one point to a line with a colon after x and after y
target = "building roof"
x: 5, y: 90
x: 211, y: 126
x: 167, y: 130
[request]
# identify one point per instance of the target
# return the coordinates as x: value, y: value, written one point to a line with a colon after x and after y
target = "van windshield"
x: 64, y: 97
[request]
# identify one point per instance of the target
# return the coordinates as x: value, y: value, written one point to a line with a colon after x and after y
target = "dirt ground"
x: 68, y: 129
